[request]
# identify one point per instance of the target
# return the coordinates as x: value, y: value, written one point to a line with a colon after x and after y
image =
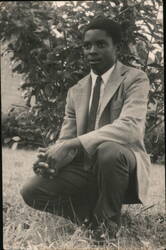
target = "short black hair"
x: 112, y: 28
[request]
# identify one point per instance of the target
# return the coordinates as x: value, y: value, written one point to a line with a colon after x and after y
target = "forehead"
x: 96, y: 34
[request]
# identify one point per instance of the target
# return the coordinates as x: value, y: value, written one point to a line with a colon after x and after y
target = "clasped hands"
x: 53, y: 158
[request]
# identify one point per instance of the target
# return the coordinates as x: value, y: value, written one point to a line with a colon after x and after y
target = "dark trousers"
x: 78, y: 194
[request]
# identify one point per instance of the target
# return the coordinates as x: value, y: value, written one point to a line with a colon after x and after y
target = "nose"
x: 93, y: 49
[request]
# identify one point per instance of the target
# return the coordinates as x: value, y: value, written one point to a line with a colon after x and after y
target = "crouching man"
x: 99, y: 161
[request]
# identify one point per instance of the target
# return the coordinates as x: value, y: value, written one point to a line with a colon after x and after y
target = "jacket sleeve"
x: 68, y: 129
x: 129, y: 127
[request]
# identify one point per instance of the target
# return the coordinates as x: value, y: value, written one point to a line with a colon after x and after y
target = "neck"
x: 101, y: 72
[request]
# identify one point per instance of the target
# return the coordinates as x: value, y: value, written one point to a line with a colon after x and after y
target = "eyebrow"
x: 100, y: 40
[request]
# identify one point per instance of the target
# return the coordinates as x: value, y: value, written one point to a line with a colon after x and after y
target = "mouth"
x: 94, y: 61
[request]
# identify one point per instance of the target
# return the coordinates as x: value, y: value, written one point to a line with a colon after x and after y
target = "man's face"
x: 99, y: 50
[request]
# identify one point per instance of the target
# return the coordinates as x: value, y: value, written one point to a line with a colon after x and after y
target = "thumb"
x: 40, y: 149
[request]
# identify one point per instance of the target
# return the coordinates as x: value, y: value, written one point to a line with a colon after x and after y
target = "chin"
x: 96, y: 68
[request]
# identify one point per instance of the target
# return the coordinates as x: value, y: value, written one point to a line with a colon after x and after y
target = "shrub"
x: 45, y: 41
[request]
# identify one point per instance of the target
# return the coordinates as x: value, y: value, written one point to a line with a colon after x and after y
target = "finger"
x: 51, y: 162
x: 42, y: 149
x: 52, y: 171
x: 40, y: 172
x: 43, y: 164
x: 41, y: 155
x: 35, y: 164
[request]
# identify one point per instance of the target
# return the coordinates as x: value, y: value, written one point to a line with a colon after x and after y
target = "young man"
x: 104, y: 124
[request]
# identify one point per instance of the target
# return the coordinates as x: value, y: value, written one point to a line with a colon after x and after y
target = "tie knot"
x: 98, y: 80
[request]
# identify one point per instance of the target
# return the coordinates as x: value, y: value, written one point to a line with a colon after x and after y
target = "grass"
x: 28, y: 229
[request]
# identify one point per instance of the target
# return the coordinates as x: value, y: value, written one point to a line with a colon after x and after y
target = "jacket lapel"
x: 113, y: 84
x: 83, y: 96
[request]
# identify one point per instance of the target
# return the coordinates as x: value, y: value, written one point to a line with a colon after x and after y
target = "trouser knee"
x: 113, y: 155
x: 27, y: 195
x: 108, y: 152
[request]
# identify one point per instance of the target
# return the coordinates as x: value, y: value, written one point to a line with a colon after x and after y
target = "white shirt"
x: 105, y: 77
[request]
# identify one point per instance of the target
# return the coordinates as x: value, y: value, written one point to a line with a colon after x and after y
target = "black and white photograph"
x: 82, y: 125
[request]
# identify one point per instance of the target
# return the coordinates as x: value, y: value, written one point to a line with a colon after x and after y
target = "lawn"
x: 25, y: 228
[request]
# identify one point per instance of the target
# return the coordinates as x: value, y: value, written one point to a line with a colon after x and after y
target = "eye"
x: 87, y: 45
x: 101, y: 44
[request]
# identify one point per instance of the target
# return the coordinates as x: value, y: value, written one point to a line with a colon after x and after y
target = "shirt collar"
x: 105, y: 77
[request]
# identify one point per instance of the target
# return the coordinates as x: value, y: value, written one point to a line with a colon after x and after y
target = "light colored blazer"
x: 122, y: 117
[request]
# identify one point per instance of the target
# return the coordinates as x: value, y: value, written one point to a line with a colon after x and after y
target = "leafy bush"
x: 44, y: 40
x: 19, y: 129
x: 155, y: 144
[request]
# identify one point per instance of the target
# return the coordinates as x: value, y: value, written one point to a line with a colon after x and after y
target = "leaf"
x: 144, y: 38
x: 133, y: 49
x: 67, y: 74
x: 16, y: 138
x: 145, y: 243
x: 48, y: 90
x: 48, y: 133
x: 53, y: 135
x: 151, y: 59
x: 155, y: 65
x: 33, y: 100
x: 18, y: 68
x: 130, y: 3
x: 36, y: 51
x: 18, y: 23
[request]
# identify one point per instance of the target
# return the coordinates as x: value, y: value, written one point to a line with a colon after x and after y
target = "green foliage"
x: 44, y: 40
